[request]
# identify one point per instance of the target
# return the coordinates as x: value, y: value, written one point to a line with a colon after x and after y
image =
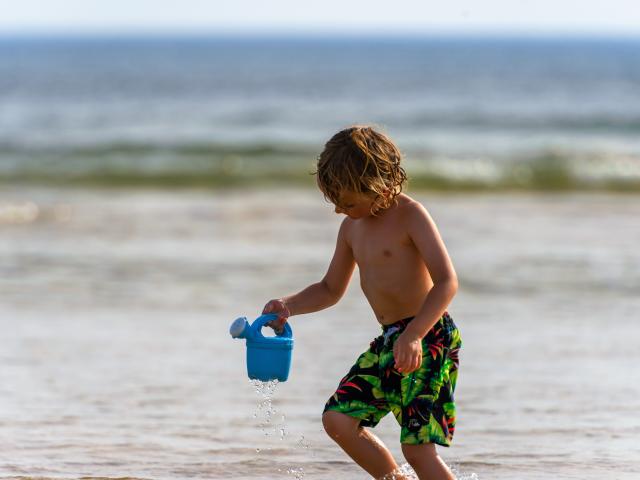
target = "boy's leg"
x: 360, y: 444
x: 426, y: 462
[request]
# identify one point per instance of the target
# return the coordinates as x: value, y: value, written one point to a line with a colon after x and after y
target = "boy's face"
x: 355, y: 205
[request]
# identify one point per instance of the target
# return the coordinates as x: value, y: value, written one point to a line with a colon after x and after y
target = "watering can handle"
x: 262, y: 320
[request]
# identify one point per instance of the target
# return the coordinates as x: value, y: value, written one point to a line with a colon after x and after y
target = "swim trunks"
x: 422, y: 400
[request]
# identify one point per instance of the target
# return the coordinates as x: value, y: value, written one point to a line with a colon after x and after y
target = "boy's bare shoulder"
x: 410, y: 206
x: 414, y: 215
x: 346, y: 227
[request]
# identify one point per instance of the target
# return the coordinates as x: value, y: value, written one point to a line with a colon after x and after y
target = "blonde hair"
x: 362, y: 160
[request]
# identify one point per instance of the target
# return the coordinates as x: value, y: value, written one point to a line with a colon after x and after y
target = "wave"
x: 139, y: 149
x: 615, y: 123
x: 216, y: 165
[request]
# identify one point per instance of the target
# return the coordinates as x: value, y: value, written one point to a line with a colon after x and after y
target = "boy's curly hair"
x: 362, y: 160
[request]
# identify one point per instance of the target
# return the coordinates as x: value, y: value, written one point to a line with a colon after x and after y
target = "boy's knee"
x: 338, y: 424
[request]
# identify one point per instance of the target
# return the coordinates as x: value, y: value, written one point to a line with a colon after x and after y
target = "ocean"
x: 475, y: 113
x: 152, y: 190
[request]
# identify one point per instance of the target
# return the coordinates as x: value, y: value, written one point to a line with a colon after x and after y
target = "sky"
x: 347, y: 16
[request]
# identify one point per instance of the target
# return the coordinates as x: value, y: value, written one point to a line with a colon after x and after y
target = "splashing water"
x: 403, y: 472
x: 305, y: 445
x: 298, y: 473
x: 266, y: 410
x: 463, y: 476
x: 265, y: 389
x: 267, y: 413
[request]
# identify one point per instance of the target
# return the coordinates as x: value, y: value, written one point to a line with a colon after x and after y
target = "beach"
x: 116, y: 359
x: 155, y: 188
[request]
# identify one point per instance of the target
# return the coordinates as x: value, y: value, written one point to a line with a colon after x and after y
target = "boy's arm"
x: 424, y: 234
x: 331, y: 288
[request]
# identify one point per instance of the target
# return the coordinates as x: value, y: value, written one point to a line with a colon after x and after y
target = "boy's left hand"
x: 407, y: 353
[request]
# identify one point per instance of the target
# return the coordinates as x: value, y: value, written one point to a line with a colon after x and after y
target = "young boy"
x: 408, y: 279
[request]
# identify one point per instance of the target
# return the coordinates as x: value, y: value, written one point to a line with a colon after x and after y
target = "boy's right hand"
x: 278, y: 307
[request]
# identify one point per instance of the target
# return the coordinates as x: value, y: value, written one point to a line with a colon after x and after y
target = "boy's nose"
x: 338, y: 209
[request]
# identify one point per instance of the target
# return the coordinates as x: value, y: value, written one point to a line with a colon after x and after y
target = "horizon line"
x: 317, y: 33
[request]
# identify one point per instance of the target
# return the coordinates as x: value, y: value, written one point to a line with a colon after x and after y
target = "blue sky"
x: 357, y: 16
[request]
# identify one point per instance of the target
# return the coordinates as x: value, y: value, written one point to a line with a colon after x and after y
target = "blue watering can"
x: 268, y: 358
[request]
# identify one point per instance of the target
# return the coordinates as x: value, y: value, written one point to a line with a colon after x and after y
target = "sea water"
x: 116, y: 359
x: 530, y: 113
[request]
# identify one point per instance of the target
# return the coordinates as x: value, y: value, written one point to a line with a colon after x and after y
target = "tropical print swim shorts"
x: 422, y: 400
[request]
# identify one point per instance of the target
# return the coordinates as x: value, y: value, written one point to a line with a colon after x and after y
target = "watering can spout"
x: 239, y: 328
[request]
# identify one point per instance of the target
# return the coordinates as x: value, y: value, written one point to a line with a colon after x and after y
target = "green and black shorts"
x: 422, y: 400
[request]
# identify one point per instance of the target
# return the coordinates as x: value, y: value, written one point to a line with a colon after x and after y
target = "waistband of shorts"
x: 401, y: 324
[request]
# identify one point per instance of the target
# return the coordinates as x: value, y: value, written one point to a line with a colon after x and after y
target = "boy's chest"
x: 380, y: 244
